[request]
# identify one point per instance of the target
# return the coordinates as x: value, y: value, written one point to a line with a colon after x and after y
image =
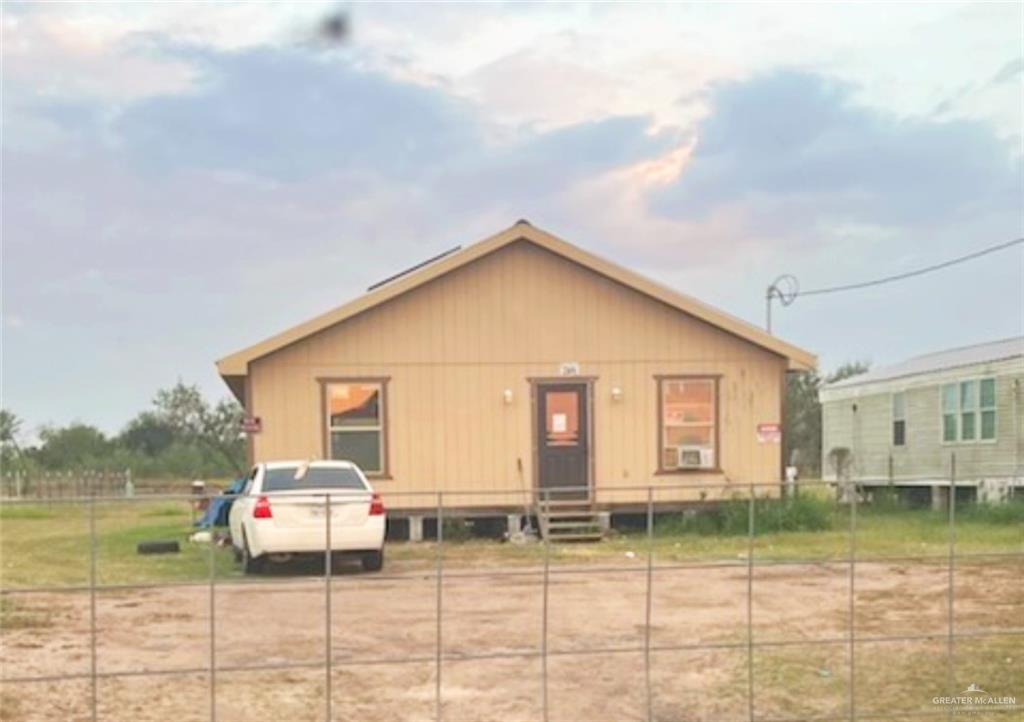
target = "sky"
x: 183, y: 179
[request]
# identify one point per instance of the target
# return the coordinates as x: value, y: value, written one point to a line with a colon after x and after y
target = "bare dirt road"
x: 384, y: 632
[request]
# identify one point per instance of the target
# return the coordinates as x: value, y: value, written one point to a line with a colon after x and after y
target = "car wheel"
x: 373, y: 561
x: 250, y: 564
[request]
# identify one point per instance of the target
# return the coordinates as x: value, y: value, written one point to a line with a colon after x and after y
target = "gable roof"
x: 1006, y: 348
x: 235, y: 366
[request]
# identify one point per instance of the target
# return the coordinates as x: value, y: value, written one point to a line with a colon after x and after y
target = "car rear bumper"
x: 266, y: 538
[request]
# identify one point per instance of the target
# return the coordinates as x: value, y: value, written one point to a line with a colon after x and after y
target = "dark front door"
x: 563, y: 439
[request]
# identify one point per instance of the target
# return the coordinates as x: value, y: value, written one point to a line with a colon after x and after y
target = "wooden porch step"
x: 572, y: 520
x: 580, y: 536
x: 569, y: 513
x: 583, y: 524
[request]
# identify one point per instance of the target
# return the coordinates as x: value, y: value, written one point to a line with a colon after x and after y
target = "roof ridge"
x: 958, y: 348
x: 906, y: 367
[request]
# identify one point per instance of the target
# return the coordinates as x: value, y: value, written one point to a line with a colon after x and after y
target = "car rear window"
x: 316, y: 477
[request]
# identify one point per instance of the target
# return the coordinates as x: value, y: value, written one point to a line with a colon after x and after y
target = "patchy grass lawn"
x: 45, y: 545
x: 892, y: 678
x: 49, y: 545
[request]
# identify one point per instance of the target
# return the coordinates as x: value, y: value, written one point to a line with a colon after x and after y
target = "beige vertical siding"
x: 451, y: 347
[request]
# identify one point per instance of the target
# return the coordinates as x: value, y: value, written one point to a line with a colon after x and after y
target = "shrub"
x: 1010, y: 512
x: 731, y: 518
x: 456, y: 530
x: 793, y: 514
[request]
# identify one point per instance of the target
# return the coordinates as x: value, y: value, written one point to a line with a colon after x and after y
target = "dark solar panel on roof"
x: 418, y: 266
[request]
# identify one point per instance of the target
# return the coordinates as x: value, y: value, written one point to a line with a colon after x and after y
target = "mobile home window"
x: 355, y: 423
x: 899, y: 419
x: 688, y: 423
x: 950, y: 409
x: 969, y: 410
x: 987, y: 408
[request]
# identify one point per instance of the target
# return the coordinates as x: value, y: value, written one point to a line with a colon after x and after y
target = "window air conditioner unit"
x: 695, y: 457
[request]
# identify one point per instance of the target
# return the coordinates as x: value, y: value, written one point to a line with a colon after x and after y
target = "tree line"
x: 182, y: 435
x: 801, y: 416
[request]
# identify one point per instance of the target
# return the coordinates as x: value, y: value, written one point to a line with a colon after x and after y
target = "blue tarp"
x: 217, y: 513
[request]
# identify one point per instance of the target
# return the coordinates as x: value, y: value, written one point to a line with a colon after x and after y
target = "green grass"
x: 20, y: 511
x: 44, y: 545
x: 164, y: 510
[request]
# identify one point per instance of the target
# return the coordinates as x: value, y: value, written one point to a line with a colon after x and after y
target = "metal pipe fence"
x: 646, y: 647
x: 48, y: 485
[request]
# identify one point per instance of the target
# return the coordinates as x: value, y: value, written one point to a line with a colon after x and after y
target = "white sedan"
x: 283, y: 509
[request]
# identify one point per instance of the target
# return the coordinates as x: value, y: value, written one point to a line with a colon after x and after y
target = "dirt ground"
x: 383, y: 638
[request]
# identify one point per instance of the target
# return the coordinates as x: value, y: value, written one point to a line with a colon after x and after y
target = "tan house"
x: 520, y: 363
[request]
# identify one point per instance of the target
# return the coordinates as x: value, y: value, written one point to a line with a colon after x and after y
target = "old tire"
x: 158, y: 547
x: 373, y: 561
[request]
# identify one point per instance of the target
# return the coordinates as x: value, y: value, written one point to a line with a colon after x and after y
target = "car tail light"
x: 262, y: 509
x: 376, y: 505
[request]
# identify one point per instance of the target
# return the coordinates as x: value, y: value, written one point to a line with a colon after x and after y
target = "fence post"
x: 92, y: 606
x: 213, y: 627
x: 440, y: 569
x: 852, y: 603
x: 647, y: 618
x: 750, y: 604
x: 544, y: 616
x: 328, y: 571
x: 951, y: 642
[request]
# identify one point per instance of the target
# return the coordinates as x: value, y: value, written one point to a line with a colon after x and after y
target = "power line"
x: 785, y: 288
x: 910, y: 274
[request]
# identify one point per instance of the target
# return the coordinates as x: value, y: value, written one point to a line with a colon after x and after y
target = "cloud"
x: 282, y: 183
x: 288, y: 113
x: 64, y: 56
x: 253, y: 183
x: 1009, y: 71
x: 792, y: 141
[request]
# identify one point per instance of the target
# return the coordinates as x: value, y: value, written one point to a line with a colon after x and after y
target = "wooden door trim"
x: 587, y: 382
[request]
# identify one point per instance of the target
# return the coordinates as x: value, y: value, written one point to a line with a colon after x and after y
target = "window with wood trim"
x: 687, y: 423
x: 356, y: 423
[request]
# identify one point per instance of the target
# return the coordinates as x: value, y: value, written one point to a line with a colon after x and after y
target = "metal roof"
x: 940, y: 360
